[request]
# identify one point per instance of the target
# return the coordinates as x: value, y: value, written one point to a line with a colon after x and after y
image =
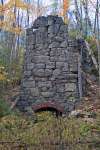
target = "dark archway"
x: 53, y: 110
x: 49, y: 106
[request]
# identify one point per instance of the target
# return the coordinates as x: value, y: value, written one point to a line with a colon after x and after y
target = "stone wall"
x: 51, y: 66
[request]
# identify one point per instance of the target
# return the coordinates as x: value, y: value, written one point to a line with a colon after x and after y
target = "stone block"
x: 53, y: 52
x: 54, y: 45
x: 30, y: 47
x: 70, y: 87
x: 40, y: 59
x: 40, y: 66
x: 58, y: 39
x: 62, y: 58
x: 54, y: 20
x: 28, y: 84
x: 34, y: 92
x: 47, y: 94
x: 50, y: 65
x: 50, y: 36
x: 30, y: 79
x: 59, y: 20
x: 64, y: 44
x: 57, y: 27
x: 42, y: 29
x: 50, y: 20
x: 31, y: 39
x: 56, y: 72
x: 59, y: 65
x: 53, y: 59
x: 27, y: 73
x: 51, y: 29
x: 74, y: 67
x: 48, y: 72
x: 46, y: 84
x: 65, y: 67
x: 41, y: 37
x: 57, y: 52
x: 38, y: 72
x: 43, y: 52
x: 29, y: 31
x: 72, y: 43
x: 36, y: 78
x: 30, y: 66
x: 60, y: 88
x: 64, y: 29
x: 44, y: 89
x: 40, y: 22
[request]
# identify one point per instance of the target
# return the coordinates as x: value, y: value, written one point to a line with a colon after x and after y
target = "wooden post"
x: 80, y: 74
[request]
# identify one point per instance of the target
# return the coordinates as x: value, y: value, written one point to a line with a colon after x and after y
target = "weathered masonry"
x: 52, y: 68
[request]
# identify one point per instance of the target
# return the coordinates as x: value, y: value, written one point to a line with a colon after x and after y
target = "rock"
x: 44, y: 89
x: 72, y: 43
x: 76, y: 113
x: 28, y: 84
x: 57, y: 27
x: 93, y: 78
x: 59, y: 20
x: 60, y: 89
x: 31, y: 38
x: 34, y: 92
x: 64, y: 29
x: 88, y: 116
x: 46, y: 84
x: 50, y: 65
x: 27, y: 73
x: 56, y: 72
x: 54, y: 45
x: 59, y: 65
x: 66, y: 67
x: 40, y: 59
x: 38, y: 72
x: 58, y: 38
x: 71, y: 87
x: 41, y: 36
x: 47, y: 94
x: 40, y: 22
x: 51, y: 30
x: 73, y: 67
x: 89, y: 120
x: 40, y: 66
x: 48, y: 72
x: 30, y: 66
x: 64, y: 44
x: 51, y: 20
x: 29, y: 31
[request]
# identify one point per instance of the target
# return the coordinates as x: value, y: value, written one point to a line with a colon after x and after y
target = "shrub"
x: 4, y: 108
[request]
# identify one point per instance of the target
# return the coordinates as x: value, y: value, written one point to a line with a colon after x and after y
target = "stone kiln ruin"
x: 51, y: 75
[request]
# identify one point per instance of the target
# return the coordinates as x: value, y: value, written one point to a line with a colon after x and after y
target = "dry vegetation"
x: 47, y: 130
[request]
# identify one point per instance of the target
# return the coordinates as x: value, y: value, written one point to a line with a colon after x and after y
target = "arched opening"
x: 53, y: 110
x: 53, y: 107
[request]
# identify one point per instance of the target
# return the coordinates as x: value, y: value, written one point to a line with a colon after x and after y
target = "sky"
x: 46, y: 2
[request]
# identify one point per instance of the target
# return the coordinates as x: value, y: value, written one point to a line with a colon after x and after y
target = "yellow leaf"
x: 13, y: 3
x: 21, y: 4
x: 2, y: 77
